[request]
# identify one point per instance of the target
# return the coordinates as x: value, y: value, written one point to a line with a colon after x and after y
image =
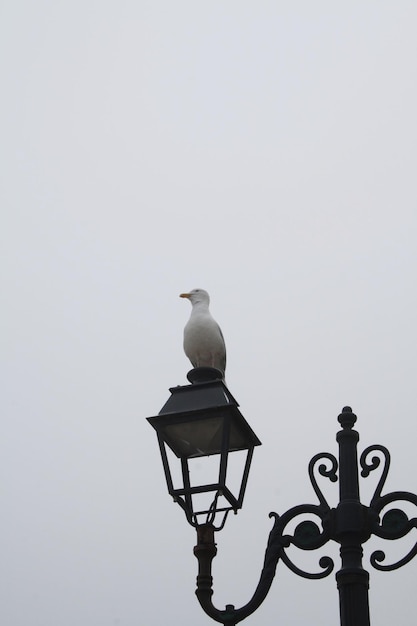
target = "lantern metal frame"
x: 198, y: 420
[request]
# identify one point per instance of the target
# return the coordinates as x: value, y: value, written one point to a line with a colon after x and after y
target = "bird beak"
x: 184, y: 295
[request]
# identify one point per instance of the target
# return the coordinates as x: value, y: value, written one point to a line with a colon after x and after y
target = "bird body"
x: 203, y: 339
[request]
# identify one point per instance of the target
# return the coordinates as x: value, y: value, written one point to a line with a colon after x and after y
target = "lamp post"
x: 202, y: 419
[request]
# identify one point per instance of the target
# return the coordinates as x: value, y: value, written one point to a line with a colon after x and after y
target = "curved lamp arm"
x: 206, y: 550
x: 307, y: 536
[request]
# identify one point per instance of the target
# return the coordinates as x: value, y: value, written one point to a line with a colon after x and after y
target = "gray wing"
x: 223, y: 361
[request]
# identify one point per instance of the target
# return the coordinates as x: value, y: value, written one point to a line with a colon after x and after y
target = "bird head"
x: 196, y: 295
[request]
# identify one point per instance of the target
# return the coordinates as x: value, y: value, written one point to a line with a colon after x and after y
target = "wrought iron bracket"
x: 350, y: 524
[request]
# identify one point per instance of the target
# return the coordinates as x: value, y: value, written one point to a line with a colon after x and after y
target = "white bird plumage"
x: 203, y: 339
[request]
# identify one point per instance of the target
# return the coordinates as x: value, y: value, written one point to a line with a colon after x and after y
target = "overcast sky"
x: 264, y: 151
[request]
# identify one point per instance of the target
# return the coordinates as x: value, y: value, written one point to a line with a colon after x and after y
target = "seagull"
x: 203, y: 340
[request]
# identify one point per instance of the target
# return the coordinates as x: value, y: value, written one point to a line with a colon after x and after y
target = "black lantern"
x: 202, y: 420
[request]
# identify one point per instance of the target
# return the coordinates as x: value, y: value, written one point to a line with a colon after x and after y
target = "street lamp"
x: 202, y: 419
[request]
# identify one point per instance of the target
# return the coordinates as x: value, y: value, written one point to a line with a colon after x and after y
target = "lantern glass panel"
x: 235, y: 467
x: 203, y: 437
x: 204, y: 470
x: 194, y: 439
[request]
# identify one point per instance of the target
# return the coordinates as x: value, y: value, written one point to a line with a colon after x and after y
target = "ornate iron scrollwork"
x: 350, y: 524
x: 395, y: 523
x: 368, y: 467
x: 307, y: 534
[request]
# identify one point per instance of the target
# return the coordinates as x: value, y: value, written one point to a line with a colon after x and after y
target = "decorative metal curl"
x: 330, y: 473
x: 395, y: 523
x: 307, y: 536
x: 367, y: 467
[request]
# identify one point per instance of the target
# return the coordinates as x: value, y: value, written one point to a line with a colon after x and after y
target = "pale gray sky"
x: 264, y: 151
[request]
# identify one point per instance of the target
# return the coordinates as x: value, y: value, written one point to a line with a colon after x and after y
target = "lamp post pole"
x: 350, y: 523
x: 351, y: 529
